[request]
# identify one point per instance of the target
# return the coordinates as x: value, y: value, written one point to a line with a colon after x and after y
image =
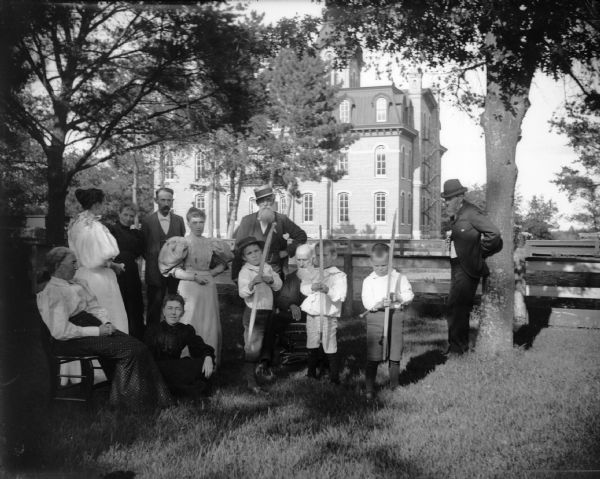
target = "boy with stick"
x: 323, y: 306
x: 256, y: 283
x: 383, y: 289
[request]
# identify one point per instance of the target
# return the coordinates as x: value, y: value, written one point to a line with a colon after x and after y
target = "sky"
x: 540, y: 154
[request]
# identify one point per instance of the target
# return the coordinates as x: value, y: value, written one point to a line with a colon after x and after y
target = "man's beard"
x: 306, y: 274
x: 165, y: 210
x: 266, y: 215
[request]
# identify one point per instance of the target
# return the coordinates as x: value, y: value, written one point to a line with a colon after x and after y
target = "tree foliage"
x: 581, y: 125
x: 90, y: 82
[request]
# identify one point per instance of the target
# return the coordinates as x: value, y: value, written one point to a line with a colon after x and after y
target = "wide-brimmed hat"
x: 263, y: 192
x: 247, y: 241
x: 452, y: 188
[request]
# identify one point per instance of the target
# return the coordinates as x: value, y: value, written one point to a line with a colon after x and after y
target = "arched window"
x: 402, y: 208
x: 345, y: 112
x: 380, y: 166
x: 169, y: 167
x: 252, y: 205
x: 410, y: 163
x: 282, y: 204
x: 343, y: 208
x: 343, y: 163
x: 381, y: 109
x: 199, y: 201
x: 307, y: 208
x: 200, y: 167
x: 380, y: 207
x: 410, y: 208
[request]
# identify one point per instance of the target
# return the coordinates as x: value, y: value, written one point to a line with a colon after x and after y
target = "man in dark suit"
x: 156, y: 229
x: 473, y: 238
x: 286, y: 238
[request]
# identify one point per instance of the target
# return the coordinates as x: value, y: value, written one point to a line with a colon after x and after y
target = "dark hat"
x: 263, y: 192
x: 452, y: 188
x: 247, y: 241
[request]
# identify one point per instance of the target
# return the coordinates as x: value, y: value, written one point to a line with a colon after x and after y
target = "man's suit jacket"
x: 250, y: 226
x: 154, y: 239
x: 475, y: 238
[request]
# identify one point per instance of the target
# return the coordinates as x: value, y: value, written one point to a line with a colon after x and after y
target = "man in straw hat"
x: 286, y: 238
x: 472, y: 238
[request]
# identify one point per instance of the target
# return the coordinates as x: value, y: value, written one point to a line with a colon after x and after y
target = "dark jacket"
x: 250, y: 226
x: 289, y: 294
x: 154, y: 239
x: 167, y: 341
x: 475, y: 238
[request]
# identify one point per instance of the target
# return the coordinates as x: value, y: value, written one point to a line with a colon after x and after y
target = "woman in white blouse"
x: 95, y: 249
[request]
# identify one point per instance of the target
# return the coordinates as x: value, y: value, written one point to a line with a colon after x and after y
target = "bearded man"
x: 286, y: 237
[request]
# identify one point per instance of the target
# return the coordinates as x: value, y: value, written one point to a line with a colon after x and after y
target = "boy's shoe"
x: 263, y: 371
x: 370, y: 396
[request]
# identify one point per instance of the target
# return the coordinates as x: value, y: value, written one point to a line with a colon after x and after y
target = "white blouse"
x: 91, y: 241
x: 337, y: 283
x: 60, y: 300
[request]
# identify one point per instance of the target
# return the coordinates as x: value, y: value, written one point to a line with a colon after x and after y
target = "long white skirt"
x: 202, y: 312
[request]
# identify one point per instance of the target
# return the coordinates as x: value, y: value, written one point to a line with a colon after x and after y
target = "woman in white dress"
x: 202, y: 260
x: 95, y: 249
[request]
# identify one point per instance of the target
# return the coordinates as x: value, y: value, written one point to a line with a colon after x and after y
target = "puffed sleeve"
x: 92, y: 243
x: 172, y: 254
x: 222, y: 250
x: 55, y: 313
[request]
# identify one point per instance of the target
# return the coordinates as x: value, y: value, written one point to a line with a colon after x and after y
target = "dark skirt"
x: 184, y: 376
x: 375, y: 335
x: 135, y: 379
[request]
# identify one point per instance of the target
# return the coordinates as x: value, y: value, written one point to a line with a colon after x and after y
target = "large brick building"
x: 393, y: 166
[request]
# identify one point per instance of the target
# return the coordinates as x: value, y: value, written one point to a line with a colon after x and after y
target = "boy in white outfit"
x: 376, y: 298
x: 322, y: 330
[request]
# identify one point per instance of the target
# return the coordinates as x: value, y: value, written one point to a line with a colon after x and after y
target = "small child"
x: 376, y: 298
x: 251, y: 286
x: 322, y: 331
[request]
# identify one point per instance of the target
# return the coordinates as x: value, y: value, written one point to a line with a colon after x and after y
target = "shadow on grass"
x: 538, y: 320
x: 418, y: 367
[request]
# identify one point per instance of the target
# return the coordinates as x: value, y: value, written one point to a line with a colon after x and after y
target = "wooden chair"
x: 85, y: 386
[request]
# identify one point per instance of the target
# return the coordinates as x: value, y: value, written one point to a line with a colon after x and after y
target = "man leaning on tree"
x: 473, y: 237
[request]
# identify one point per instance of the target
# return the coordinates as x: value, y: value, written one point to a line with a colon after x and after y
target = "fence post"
x: 347, y: 306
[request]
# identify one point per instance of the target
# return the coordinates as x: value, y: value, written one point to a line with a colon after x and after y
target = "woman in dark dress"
x: 187, y: 376
x: 131, y: 247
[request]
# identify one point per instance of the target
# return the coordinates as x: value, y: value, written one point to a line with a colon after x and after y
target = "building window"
x: 169, y: 167
x: 423, y: 212
x: 381, y: 110
x: 282, y: 207
x: 409, y: 162
x: 199, y: 201
x: 380, y: 207
x: 380, y: 161
x: 307, y: 208
x: 345, y: 111
x: 403, y: 168
x: 343, y: 163
x: 410, y: 209
x: 200, y: 167
x: 402, y: 208
x: 343, y: 208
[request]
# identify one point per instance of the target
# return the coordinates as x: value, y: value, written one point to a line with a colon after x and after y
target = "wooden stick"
x: 386, y: 320
x: 263, y: 259
x: 321, y: 277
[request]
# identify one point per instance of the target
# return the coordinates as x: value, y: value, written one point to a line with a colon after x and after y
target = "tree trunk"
x: 57, y: 193
x: 235, y: 204
x: 502, y: 126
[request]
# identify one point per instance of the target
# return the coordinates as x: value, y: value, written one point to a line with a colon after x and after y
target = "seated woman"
x: 188, y: 376
x: 80, y: 326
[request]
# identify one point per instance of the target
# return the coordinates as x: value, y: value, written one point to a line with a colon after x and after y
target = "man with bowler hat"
x: 286, y: 237
x: 473, y: 238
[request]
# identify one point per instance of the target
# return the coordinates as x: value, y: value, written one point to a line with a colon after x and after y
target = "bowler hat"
x: 452, y: 188
x: 263, y: 192
x: 247, y: 241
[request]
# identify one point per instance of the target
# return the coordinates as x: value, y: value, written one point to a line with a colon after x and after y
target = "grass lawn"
x: 524, y: 415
